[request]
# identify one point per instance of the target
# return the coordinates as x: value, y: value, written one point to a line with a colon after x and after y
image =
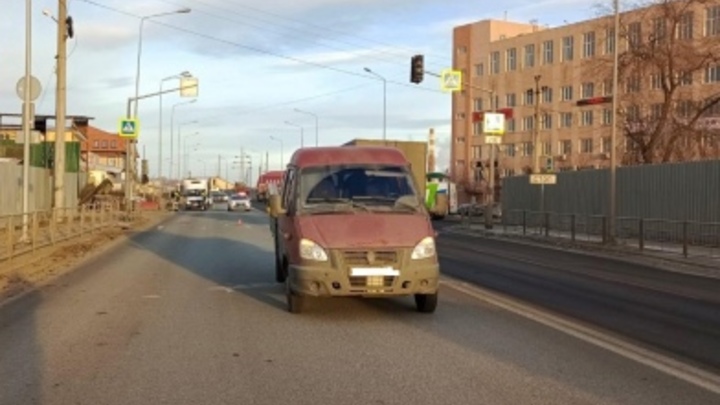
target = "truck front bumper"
x: 323, y: 281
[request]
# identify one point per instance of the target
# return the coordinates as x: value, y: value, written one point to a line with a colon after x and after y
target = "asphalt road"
x: 189, y: 314
x: 674, y: 313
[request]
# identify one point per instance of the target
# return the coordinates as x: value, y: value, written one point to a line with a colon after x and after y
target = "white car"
x: 239, y: 202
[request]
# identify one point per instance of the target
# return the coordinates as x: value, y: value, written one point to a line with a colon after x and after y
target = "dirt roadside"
x: 34, y: 270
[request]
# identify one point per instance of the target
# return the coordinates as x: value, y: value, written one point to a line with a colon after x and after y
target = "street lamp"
x: 612, y: 209
x: 160, y: 130
x: 282, y: 159
x: 384, y: 101
x: 179, y: 140
x: 184, y: 162
x: 317, y: 122
x: 302, y: 130
x: 172, y: 130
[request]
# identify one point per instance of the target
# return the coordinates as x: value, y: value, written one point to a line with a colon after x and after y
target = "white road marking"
x: 151, y: 297
x: 605, y: 340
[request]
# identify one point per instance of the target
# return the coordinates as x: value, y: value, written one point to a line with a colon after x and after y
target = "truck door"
x: 287, y: 234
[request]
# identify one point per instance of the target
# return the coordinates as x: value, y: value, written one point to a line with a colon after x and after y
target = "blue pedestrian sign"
x: 129, y: 128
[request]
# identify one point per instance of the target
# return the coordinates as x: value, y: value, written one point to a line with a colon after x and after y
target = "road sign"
x: 35, y: 88
x: 494, y: 123
x: 129, y: 128
x: 188, y: 87
x: 543, y: 179
x: 493, y: 140
x: 451, y: 80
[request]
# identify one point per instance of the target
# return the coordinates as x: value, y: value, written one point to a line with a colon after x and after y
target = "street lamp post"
x: 160, y: 128
x: 612, y: 209
x: 384, y: 100
x: 172, y: 136
x: 185, y: 154
x: 282, y: 158
x: 179, y: 140
x: 27, y: 100
x: 302, y: 130
x: 317, y: 123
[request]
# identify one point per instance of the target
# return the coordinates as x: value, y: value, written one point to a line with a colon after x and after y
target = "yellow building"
x: 510, y: 66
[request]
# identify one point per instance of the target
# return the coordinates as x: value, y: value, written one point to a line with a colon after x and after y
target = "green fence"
x: 42, y: 154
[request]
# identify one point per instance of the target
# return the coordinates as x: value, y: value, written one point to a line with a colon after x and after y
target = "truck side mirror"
x: 275, y: 206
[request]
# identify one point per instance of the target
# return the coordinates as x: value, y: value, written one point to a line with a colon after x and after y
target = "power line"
x: 259, y: 50
x: 408, y: 51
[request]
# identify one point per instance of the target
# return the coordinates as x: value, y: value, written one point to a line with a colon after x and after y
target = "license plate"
x: 373, y: 271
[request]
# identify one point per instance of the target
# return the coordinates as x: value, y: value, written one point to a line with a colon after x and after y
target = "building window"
x: 607, y: 116
x: 113, y: 144
x: 609, y: 41
x: 633, y: 113
x: 659, y: 30
x: 656, y: 81
x: 104, y: 144
x: 684, y: 108
x: 633, y: 84
x: 510, y: 100
x: 477, y: 152
x: 565, y: 147
x: 478, y: 104
x: 634, y: 35
x: 606, y: 145
x: 588, y: 90
x: 547, y: 95
x: 547, y: 122
x: 586, y: 118
x: 529, y: 97
x: 526, y: 149
x: 477, y: 128
x: 589, y: 44
x: 712, y: 74
x: 566, y: 119
x: 548, y: 52
x: 510, y: 125
x: 495, y: 63
x: 530, y: 55
x: 96, y: 144
x: 685, y: 26
x: 479, y: 69
x: 607, y: 87
x: 656, y: 111
x: 586, y: 145
x: 567, y: 93
x: 510, y: 150
x: 511, y: 59
x: 712, y: 21
x: 547, y: 148
x: 685, y: 79
x: 568, y: 44
x: 528, y: 123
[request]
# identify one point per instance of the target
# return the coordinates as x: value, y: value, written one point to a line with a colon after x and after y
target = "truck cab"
x: 349, y: 221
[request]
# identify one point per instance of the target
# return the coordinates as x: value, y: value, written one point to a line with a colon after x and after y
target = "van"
x: 349, y: 222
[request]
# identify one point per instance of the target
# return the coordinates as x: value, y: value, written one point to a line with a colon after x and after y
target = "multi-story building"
x: 556, y: 84
x: 104, y: 152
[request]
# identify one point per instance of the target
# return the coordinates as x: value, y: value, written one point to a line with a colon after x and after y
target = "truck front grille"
x: 372, y: 282
x: 370, y: 258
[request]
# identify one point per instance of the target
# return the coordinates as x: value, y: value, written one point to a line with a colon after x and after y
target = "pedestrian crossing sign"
x: 129, y: 128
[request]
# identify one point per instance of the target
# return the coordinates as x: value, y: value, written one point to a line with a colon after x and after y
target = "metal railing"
x: 46, y: 228
x: 686, y: 238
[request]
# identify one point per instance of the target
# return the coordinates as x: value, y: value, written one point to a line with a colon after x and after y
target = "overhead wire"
x: 260, y: 50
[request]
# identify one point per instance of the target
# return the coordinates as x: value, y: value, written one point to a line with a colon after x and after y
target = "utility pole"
x: 612, y: 209
x: 267, y: 161
x: 491, y: 182
x: 242, y: 165
x: 60, y: 107
x: 536, y: 141
x: 27, y: 112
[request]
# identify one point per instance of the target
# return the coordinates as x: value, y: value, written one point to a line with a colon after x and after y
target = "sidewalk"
x: 702, y: 261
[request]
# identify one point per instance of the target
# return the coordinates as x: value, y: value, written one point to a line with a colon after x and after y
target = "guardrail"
x: 686, y: 238
x: 46, y: 228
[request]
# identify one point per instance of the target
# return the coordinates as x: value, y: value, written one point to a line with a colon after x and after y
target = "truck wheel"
x: 426, y: 303
x: 294, y: 300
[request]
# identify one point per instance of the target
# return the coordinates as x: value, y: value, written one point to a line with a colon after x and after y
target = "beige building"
x: 541, y: 77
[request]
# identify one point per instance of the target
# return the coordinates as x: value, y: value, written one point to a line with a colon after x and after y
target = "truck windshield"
x: 368, y: 188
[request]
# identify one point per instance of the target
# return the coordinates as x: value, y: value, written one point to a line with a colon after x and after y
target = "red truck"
x: 267, y: 182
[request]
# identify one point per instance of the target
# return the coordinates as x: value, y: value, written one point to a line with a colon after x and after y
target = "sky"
x: 256, y: 62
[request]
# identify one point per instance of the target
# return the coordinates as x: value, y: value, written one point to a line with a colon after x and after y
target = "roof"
x: 324, y: 156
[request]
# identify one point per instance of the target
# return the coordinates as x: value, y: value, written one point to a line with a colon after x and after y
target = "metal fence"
x: 46, y: 228
x: 687, y: 238
x: 40, y: 191
x: 688, y: 191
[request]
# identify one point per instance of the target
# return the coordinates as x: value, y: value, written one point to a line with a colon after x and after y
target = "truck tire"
x: 294, y: 301
x: 426, y: 303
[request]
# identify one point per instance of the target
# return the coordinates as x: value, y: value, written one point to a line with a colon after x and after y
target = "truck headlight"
x: 425, y: 249
x: 310, y: 250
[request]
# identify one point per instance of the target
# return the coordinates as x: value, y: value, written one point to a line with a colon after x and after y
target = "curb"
x: 664, y: 264
x: 123, y: 238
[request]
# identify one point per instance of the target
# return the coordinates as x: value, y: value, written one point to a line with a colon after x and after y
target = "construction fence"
x: 40, y: 193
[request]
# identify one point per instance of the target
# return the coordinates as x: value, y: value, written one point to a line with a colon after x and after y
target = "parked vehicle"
x: 353, y: 224
x: 239, y: 202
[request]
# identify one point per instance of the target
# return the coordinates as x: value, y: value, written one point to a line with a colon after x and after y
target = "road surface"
x: 674, y: 313
x: 189, y: 314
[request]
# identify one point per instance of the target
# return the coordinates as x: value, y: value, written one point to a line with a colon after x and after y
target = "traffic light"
x: 548, y: 164
x: 594, y: 101
x: 417, y: 69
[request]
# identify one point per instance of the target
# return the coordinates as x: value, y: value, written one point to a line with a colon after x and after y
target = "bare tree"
x: 664, y: 53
